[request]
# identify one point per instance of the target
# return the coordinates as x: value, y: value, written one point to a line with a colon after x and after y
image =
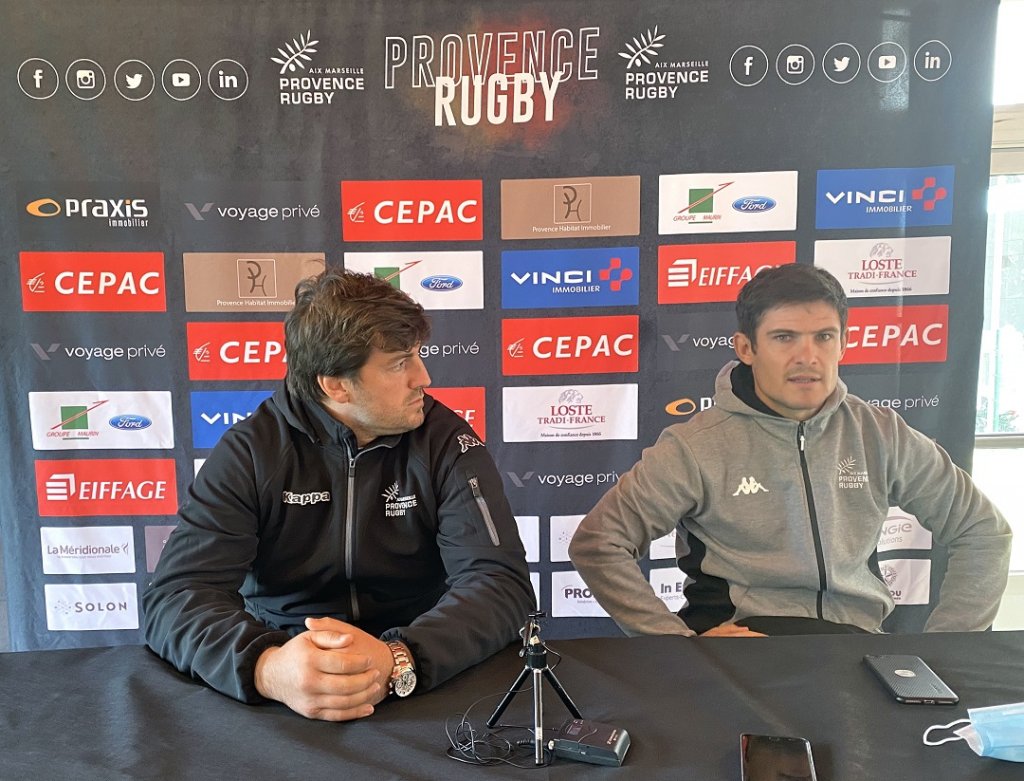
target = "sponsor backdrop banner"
x: 575, y: 191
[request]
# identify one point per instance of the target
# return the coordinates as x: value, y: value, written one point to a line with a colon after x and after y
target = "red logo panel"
x: 413, y: 210
x: 236, y: 351
x: 570, y: 345
x: 701, y: 273
x: 93, y: 282
x: 892, y: 334
x: 114, y: 486
x: 467, y: 403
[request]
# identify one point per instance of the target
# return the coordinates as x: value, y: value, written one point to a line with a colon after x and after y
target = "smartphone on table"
x: 775, y: 758
x: 910, y: 680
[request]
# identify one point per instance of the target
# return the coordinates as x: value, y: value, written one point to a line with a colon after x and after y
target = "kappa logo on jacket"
x: 395, y: 505
x: 749, y: 485
x: 312, y: 497
x: 466, y: 441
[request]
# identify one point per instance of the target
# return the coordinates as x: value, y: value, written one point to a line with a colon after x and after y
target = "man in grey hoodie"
x: 778, y: 493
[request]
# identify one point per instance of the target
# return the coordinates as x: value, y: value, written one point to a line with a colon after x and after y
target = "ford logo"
x: 130, y: 422
x: 754, y: 203
x: 441, y: 282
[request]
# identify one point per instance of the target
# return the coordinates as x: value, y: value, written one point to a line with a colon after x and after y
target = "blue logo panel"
x: 885, y: 197
x: 550, y: 279
x: 214, y: 412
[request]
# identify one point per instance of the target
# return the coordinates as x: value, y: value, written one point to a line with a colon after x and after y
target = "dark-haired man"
x: 351, y: 538
x: 772, y: 537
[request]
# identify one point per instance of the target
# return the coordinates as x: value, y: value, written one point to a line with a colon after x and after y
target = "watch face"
x: 405, y: 683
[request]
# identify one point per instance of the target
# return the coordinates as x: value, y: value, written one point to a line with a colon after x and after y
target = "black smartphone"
x: 910, y: 680
x: 775, y: 758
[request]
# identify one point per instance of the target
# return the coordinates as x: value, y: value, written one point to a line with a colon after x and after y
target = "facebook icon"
x: 748, y: 66
x: 37, y: 78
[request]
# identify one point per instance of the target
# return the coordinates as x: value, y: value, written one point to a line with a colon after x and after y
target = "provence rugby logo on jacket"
x: 395, y: 505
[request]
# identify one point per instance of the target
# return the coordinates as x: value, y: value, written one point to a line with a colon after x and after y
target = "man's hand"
x: 334, y: 671
x: 730, y: 630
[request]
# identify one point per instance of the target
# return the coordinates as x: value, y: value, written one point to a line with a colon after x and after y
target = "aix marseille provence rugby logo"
x: 849, y: 475
x: 395, y: 505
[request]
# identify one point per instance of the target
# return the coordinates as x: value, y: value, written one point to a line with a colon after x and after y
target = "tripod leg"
x: 512, y: 692
x: 550, y: 676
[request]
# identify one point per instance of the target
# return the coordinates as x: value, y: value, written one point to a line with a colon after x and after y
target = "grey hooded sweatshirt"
x: 775, y: 517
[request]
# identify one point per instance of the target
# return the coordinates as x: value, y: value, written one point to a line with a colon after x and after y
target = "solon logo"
x: 699, y: 273
x: 106, y: 487
x: 889, y: 334
x: 885, y: 197
x: 413, y: 210
x: 214, y: 412
x: 93, y: 282
x: 549, y: 279
x: 235, y: 351
x: 72, y: 607
x: 570, y: 345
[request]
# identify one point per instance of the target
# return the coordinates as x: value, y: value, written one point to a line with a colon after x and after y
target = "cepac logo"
x: 891, y: 334
x: 567, y: 413
x: 468, y: 403
x: 570, y: 345
x: 413, y: 210
x: 570, y: 208
x: 237, y: 282
x: 702, y: 273
x: 87, y: 550
x: 106, y: 487
x: 435, y: 280
x: 78, y: 607
x: 553, y: 279
x: 93, y: 282
x: 214, y: 412
x: 888, y: 267
x: 727, y: 203
x: 235, y: 351
x: 885, y: 197
x: 94, y: 420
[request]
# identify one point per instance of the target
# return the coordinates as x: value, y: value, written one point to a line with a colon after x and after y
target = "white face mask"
x: 996, y: 731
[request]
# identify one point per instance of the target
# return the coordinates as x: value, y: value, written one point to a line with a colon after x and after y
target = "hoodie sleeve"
x: 489, y: 591
x: 194, y: 616
x: 948, y: 503
x: 645, y: 504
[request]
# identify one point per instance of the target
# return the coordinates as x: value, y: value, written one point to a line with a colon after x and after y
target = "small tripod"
x: 536, y: 655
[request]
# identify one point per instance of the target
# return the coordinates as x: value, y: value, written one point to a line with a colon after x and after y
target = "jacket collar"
x: 734, y: 392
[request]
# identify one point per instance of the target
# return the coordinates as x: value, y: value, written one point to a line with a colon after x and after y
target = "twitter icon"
x: 134, y: 80
x: 843, y: 63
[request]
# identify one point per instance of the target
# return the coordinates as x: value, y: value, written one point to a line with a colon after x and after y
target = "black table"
x: 123, y: 713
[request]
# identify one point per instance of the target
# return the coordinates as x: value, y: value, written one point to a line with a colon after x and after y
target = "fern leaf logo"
x: 643, y: 49
x: 391, y: 493
x: 296, y: 53
x: 846, y: 465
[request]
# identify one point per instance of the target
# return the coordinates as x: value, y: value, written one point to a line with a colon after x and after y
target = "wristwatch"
x: 403, y: 674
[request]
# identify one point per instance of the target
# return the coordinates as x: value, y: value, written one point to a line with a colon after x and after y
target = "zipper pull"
x: 474, y: 485
x: 801, y: 439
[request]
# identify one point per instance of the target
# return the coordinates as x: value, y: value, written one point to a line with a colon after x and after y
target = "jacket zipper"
x: 474, y: 485
x: 349, y: 523
x: 815, y: 532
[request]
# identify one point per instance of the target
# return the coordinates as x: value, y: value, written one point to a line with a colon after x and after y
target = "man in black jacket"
x: 350, y: 539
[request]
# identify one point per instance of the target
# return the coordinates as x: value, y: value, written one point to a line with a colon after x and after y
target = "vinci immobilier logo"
x: 412, y: 210
x: 93, y: 282
x: 885, y: 197
x: 115, y: 486
x: 235, y: 351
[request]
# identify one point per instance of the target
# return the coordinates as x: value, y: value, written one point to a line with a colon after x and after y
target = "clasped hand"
x: 333, y: 671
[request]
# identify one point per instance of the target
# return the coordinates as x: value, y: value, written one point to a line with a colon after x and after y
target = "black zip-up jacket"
x: 409, y: 538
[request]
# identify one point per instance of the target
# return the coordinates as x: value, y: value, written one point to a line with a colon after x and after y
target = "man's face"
x: 385, y: 397
x: 795, y: 358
